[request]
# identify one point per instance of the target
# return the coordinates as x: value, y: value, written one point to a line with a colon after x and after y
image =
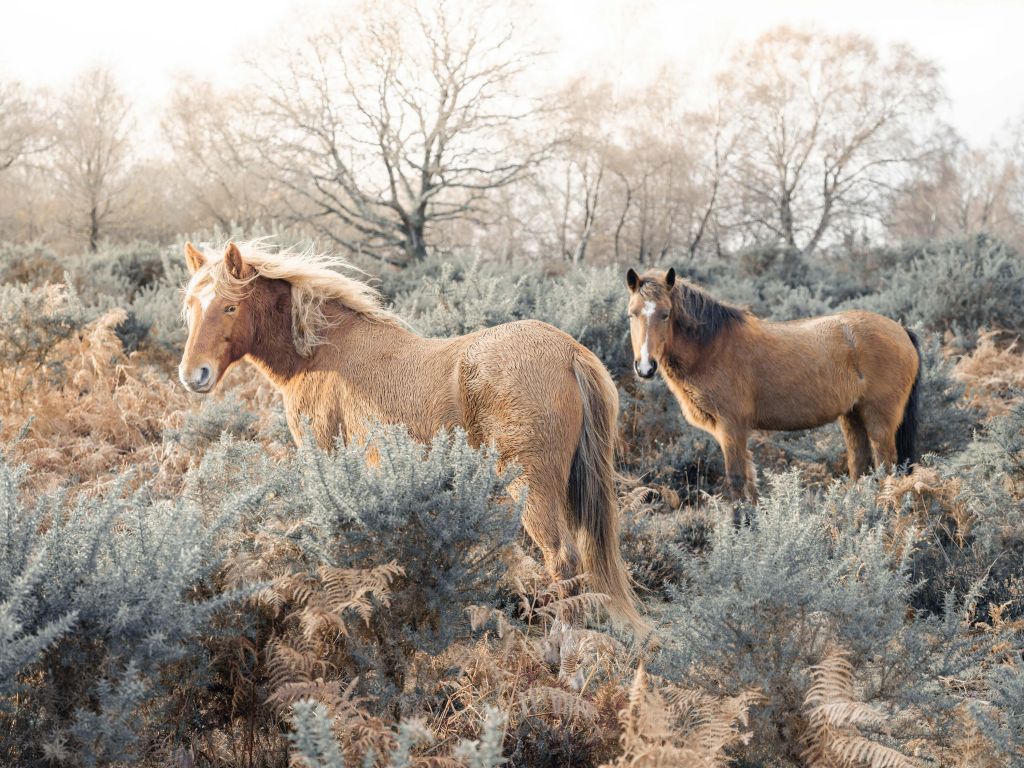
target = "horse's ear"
x: 194, y: 258
x: 234, y: 263
x: 632, y: 280
x: 670, y: 277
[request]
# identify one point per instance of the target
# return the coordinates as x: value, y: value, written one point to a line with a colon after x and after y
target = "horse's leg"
x: 858, y: 446
x: 740, y: 476
x: 545, y: 523
x: 881, y: 429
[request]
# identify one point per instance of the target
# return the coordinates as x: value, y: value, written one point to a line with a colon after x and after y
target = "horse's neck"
x: 360, y: 372
x: 694, y: 364
x: 684, y: 361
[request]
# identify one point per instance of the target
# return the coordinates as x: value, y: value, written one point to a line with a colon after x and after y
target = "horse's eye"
x: 230, y: 309
x: 664, y: 315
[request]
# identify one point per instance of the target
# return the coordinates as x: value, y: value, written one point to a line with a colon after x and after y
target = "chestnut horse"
x: 342, y: 361
x: 733, y: 372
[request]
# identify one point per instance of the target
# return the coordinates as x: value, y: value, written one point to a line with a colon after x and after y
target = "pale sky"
x: 976, y: 43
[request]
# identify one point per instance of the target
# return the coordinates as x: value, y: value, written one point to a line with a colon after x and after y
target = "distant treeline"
x: 414, y: 127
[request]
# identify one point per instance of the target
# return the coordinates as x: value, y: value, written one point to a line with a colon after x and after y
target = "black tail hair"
x: 906, y: 434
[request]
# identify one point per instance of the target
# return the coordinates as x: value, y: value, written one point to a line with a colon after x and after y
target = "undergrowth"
x: 180, y: 585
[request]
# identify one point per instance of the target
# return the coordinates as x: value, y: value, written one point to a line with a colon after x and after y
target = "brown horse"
x: 733, y: 372
x: 341, y: 361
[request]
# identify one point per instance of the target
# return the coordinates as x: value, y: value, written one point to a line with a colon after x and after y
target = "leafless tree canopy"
x: 20, y: 130
x: 92, y: 153
x: 212, y: 153
x: 827, y: 124
x: 386, y: 127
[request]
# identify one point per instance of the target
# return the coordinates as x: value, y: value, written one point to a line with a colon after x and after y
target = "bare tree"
x: 713, y: 138
x: 212, y: 153
x: 636, y: 176
x: 960, y: 190
x: 20, y: 127
x: 576, y: 172
x: 92, y: 153
x: 669, y: 165
x: 827, y: 124
x: 398, y: 123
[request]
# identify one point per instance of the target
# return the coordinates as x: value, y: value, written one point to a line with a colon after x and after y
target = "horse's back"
x: 526, y: 339
x: 849, y: 335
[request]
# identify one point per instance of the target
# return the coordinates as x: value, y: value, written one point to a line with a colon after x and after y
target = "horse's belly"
x: 789, y: 411
x: 793, y: 422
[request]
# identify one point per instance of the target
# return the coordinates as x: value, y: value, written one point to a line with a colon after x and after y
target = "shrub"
x: 958, y: 286
x: 33, y: 323
x: 102, y: 596
x: 30, y: 264
x: 314, y: 745
x: 771, y: 600
x: 439, y: 513
x: 217, y: 416
x: 84, y: 405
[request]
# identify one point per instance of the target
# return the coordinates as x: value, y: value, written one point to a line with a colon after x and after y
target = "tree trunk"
x: 415, y: 244
x: 786, y: 218
x: 622, y: 219
x: 94, y: 230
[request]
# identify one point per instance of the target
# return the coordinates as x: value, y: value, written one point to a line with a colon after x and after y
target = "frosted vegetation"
x: 181, y: 586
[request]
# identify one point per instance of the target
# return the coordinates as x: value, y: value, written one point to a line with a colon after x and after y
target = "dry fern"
x: 681, y: 729
x: 833, y: 715
x: 991, y: 372
x: 922, y: 489
x: 571, y: 710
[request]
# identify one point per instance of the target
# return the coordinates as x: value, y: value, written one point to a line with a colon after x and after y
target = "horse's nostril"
x: 645, y: 374
x: 204, y: 376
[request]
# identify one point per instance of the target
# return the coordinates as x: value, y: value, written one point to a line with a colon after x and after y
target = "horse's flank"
x: 798, y: 374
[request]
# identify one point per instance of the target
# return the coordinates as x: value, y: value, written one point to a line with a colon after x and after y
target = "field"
x: 181, y: 586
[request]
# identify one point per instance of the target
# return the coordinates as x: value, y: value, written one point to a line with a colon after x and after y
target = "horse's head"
x: 650, y: 307
x: 220, y: 314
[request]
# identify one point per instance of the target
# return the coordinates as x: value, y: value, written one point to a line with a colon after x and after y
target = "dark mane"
x: 700, y: 316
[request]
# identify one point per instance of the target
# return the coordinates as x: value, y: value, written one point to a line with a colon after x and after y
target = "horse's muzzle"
x: 200, y: 380
x: 649, y: 373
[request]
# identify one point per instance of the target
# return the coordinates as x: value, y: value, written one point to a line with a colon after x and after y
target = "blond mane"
x: 314, y: 278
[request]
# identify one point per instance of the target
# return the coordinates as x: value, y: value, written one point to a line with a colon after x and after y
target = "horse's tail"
x: 592, y: 500
x: 906, y: 434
